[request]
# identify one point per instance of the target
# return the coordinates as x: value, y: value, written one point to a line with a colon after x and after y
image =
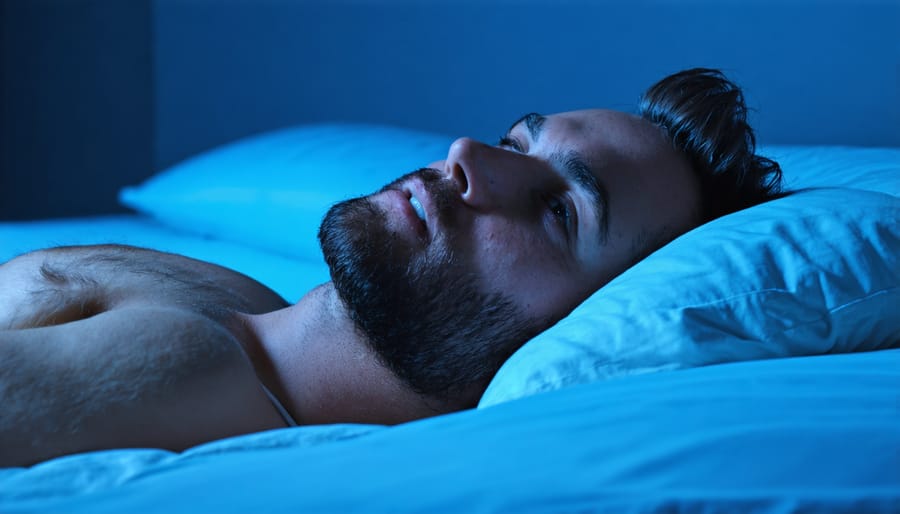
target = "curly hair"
x: 705, y: 117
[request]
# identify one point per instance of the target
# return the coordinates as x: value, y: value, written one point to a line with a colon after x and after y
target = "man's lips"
x: 398, y: 200
x: 418, y: 194
x: 417, y: 206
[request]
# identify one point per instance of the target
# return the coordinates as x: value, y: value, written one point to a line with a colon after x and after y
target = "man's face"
x: 496, y: 243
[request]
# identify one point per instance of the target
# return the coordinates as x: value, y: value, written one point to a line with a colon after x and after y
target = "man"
x: 436, y: 280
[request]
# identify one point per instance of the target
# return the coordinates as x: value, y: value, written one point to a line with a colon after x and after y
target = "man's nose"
x: 479, y: 172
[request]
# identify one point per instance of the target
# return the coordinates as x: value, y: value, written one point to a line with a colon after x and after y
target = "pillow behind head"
x: 811, y: 273
x: 871, y: 169
x: 271, y: 191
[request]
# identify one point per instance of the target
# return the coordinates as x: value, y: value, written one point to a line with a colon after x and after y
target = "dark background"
x: 97, y: 94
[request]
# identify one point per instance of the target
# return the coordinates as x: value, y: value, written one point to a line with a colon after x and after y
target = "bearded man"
x: 436, y: 280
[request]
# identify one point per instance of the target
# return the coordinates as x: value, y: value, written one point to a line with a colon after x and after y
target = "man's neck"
x: 322, y: 369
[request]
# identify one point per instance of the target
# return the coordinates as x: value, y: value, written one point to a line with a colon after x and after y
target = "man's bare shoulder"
x: 49, y: 286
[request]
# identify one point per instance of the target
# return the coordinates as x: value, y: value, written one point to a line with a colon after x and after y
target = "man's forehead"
x: 601, y: 125
x: 588, y: 118
x: 607, y: 127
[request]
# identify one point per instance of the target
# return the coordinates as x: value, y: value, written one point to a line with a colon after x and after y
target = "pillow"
x: 271, y: 191
x: 815, y: 272
x: 872, y: 169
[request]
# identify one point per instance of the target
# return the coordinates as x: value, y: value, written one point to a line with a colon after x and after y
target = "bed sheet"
x: 806, y: 434
x: 784, y: 435
x: 290, y: 277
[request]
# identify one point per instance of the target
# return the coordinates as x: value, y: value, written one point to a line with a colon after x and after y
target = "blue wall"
x: 100, y: 93
x: 75, y: 104
x: 816, y: 72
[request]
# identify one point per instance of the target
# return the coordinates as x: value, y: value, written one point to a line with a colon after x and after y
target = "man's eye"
x: 508, y: 142
x: 560, y: 211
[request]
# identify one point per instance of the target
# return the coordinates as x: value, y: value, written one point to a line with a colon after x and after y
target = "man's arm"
x: 128, y: 377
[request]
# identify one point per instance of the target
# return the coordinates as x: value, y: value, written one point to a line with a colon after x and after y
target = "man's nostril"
x: 459, y: 176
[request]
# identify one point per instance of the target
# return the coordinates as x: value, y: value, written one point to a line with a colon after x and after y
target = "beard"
x: 420, y: 310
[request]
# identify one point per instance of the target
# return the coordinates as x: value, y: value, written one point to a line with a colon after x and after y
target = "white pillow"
x: 872, y: 169
x: 271, y: 191
x: 812, y: 273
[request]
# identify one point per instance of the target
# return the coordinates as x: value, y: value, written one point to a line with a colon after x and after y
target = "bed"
x: 751, y: 365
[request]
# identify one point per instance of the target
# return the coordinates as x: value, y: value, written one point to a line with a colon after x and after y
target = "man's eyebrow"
x: 575, y: 167
x: 533, y: 122
x: 577, y: 170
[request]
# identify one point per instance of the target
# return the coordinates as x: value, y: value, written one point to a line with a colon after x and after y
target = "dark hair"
x: 705, y: 116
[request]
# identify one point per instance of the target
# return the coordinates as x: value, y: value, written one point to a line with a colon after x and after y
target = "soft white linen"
x: 102, y: 470
x: 809, y: 434
x: 870, y: 169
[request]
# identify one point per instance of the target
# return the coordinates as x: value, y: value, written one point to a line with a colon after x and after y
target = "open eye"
x: 510, y: 143
x: 560, y: 210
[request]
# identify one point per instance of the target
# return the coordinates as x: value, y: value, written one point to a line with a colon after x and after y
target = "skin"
x: 519, y: 245
x: 138, y: 360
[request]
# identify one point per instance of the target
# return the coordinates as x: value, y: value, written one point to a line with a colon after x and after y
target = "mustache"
x: 428, y: 176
